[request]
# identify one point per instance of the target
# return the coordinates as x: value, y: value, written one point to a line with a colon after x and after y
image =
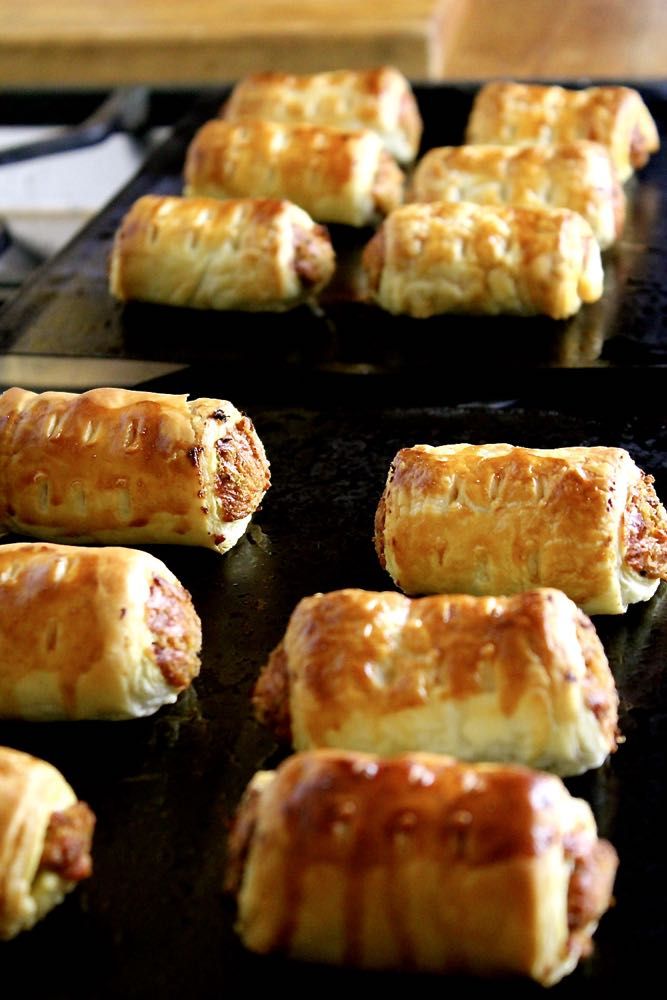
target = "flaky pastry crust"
x: 380, y: 99
x: 249, y: 254
x: 92, y: 633
x: 579, y: 176
x: 444, y: 257
x: 500, y: 519
x: 336, y: 175
x: 418, y: 862
x: 522, y: 678
x: 511, y: 113
x: 122, y: 466
x: 35, y: 799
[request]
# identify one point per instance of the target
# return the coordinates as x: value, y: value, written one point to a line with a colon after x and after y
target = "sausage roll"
x: 521, y: 678
x: 510, y: 113
x: 251, y: 254
x: 418, y: 862
x: 45, y: 840
x: 335, y: 175
x: 378, y: 99
x: 499, y: 519
x: 88, y: 633
x: 443, y: 257
x: 120, y: 466
x: 576, y: 175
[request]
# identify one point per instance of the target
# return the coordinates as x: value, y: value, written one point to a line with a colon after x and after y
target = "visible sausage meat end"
x: 270, y: 696
x: 590, y: 889
x: 242, y: 475
x: 373, y: 262
x: 176, y: 629
x: 67, y: 843
x: 313, y: 256
x: 645, y: 531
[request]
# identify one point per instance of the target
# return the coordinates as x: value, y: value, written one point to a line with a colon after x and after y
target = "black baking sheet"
x: 152, y: 921
x: 66, y: 307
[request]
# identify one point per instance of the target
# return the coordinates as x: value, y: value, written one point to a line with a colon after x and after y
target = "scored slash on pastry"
x: 124, y: 467
x: 501, y: 519
x: 520, y: 679
x: 250, y: 254
x: 418, y: 862
x: 92, y: 633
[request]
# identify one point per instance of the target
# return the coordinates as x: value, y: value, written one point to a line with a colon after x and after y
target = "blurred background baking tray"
x: 65, y: 308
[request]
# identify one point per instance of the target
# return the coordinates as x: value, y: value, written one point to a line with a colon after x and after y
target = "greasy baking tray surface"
x: 152, y: 921
x: 66, y: 308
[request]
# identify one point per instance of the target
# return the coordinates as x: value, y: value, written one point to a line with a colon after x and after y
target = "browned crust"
x: 477, y: 814
x: 380, y: 653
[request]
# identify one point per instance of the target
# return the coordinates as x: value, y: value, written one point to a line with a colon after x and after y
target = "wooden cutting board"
x: 186, y: 42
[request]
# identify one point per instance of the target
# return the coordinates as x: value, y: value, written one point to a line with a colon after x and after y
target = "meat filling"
x: 590, y: 889
x: 270, y: 696
x: 313, y: 256
x: 176, y: 628
x: 240, y: 839
x: 387, y: 185
x: 242, y: 474
x: 67, y: 843
x: 645, y: 531
x: 373, y: 262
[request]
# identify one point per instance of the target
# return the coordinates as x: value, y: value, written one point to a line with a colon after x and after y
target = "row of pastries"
x: 513, y: 221
x: 409, y: 708
x: 417, y: 796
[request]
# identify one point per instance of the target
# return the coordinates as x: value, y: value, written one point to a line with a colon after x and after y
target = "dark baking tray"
x: 333, y: 396
x: 66, y: 309
x: 153, y: 920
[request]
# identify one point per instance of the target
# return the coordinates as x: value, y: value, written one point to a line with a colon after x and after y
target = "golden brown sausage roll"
x: 576, y: 175
x: 120, y: 466
x: 511, y: 113
x: 499, y: 519
x: 442, y: 257
x: 335, y: 175
x: 378, y: 99
x: 251, y: 254
x: 88, y: 633
x: 418, y: 862
x: 45, y: 840
x: 517, y: 679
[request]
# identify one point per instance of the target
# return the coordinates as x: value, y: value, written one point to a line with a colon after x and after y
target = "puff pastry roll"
x: 250, y: 254
x: 418, y: 862
x: 576, y: 175
x: 88, y: 633
x: 120, y: 466
x: 500, y: 519
x: 336, y: 175
x: 45, y: 840
x: 510, y: 113
x: 443, y: 257
x: 380, y: 99
x: 516, y: 679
